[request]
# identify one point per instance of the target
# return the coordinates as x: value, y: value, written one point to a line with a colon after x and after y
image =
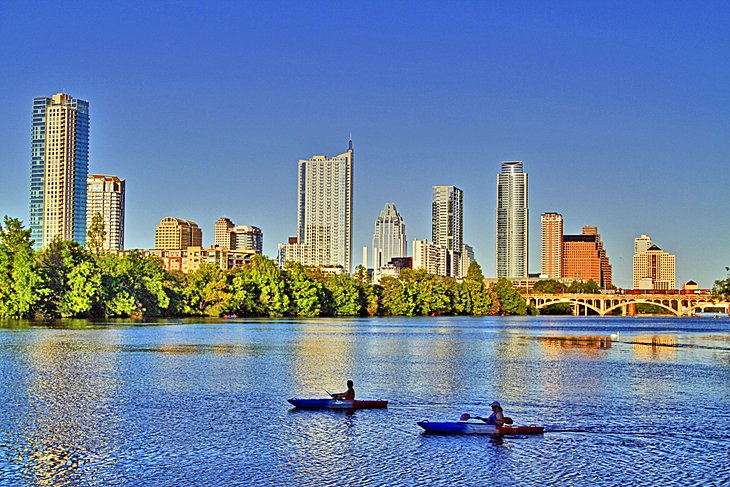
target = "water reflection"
x: 65, y: 432
x: 656, y: 346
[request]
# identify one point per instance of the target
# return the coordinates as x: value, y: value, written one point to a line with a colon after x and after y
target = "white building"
x: 512, y: 221
x: 105, y: 196
x: 430, y: 257
x: 324, y: 213
x: 389, y: 237
x: 655, y: 269
x: 447, y: 224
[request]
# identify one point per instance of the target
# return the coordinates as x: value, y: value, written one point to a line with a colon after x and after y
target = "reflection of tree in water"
x: 66, y: 434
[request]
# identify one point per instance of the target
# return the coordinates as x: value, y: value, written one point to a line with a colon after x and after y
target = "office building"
x: 389, y: 237
x: 654, y: 269
x: 324, y: 213
x: 249, y: 237
x: 512, y: 221
x: 225, y: 237
x: 447, y: 224
x: 642, y: 244
x: 177, y: 234
x: 584, y: 258
x: 105, y: 196
x: 551, y: 245
x: 59, y: 169
x: 429, y: 256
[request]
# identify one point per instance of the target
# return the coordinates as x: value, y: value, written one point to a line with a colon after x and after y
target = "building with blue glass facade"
x: 58, y: 169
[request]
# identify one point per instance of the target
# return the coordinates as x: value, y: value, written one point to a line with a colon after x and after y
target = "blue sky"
x: 620, y: 111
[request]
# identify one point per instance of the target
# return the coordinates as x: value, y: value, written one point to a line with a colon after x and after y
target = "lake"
x: 640, y: 401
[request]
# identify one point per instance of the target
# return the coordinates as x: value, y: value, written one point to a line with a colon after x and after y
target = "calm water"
x: 205, y: 403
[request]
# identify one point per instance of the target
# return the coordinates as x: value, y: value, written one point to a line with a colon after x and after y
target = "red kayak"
x: 336, y: 404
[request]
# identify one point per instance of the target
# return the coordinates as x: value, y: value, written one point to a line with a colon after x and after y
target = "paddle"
x: 467, y: 416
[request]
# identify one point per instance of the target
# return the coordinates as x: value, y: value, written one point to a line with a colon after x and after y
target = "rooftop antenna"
x: 350, y: 146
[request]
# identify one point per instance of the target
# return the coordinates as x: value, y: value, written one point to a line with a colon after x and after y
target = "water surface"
x: 642, y: 401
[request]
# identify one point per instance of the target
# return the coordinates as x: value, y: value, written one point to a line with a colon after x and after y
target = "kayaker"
x: 497, y: 416
x: 348, y: 395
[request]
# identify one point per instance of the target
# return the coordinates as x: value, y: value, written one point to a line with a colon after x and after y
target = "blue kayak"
x: 336, y: 404
x: 477, y: 428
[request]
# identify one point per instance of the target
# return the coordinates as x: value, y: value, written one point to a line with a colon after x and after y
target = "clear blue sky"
x: 620, y: 110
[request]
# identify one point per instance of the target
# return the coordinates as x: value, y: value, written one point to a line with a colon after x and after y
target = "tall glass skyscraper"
x: 447, y: 219
x: 59, y: 166
x: 512, y: 221
x: 324, y: 221
x: 389, y: 237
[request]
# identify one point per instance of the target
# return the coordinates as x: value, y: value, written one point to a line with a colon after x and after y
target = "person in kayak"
x: 348, y: 395
x: 497, y: 416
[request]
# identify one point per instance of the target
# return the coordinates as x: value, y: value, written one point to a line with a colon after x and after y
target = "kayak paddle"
x: 467, y: 416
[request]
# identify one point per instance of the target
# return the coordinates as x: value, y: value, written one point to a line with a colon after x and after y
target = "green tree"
x: 589, y: 287
x: 96, y: 234
x: 721, y: 289
x: 479, y: 293
x: 307, y: 295
x: 136, y: 285
x: 549, y: 286
x: 74, y: 280
x: 510, y: 300
x: 21, y: 285
x: 346, y: 297
x: 206, y: 291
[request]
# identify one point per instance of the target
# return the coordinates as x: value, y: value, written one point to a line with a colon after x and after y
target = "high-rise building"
x: 642, y: 244
x: 447, y: 224
x: 59, y: 167
x: 654, y: 269
x: 429, y: 256
x: 512, y: 221
x: 585, y: 258
x: 249, y: 237
x: 177, y: 234
x: 551, y: 245
x: 224, y: 235
x: 389, y: 237
x: 324, y: 213
x: 105, y: 197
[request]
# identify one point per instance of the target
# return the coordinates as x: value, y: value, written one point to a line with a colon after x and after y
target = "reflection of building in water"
x: 70, y: 392
x: 657, y: 346
x: 586, y: 343
x: 322, y: 358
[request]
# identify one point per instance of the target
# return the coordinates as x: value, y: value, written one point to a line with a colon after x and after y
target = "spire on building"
x: 350, y: 145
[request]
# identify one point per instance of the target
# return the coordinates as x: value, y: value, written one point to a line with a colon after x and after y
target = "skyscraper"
x: 224, y: 236
x: 512, y: 222
x: 249, y: 237
x: 551, y: 245
x: 177, y: 234
x: 653, y: 267
x: 447, y: 224
x: 585, y: 258
x: 389, y: 237
x: 324, y: 213
x: 105, y: 196
x: 642, y: 244
x: 59, y: 167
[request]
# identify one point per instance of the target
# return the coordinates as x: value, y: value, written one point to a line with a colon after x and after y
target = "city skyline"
x: 620, y: 114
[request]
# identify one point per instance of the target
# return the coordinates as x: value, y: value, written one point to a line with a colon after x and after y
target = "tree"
x: 206, y: 291
x: 549, y: 286
x: 346, y: 297
x: 721, y: 289
x: 510, y: 301
x: 307, y: 295
x: 21, y: 285
x: 481, y: 298
x: 96, y: 234
x: 74, y: 280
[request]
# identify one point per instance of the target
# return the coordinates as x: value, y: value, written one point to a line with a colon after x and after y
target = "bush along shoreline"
x: 65, y: 280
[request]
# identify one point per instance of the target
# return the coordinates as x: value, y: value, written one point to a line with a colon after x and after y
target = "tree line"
x: 66, y: 280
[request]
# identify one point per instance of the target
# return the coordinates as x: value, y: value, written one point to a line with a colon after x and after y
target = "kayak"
x: 474, y: 428
x: 336, y: 404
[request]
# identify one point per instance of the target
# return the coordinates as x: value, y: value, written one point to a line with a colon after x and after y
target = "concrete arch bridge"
x: 603, y: 304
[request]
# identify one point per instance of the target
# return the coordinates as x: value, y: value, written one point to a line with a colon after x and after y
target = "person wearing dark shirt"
x: 348, y: 395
